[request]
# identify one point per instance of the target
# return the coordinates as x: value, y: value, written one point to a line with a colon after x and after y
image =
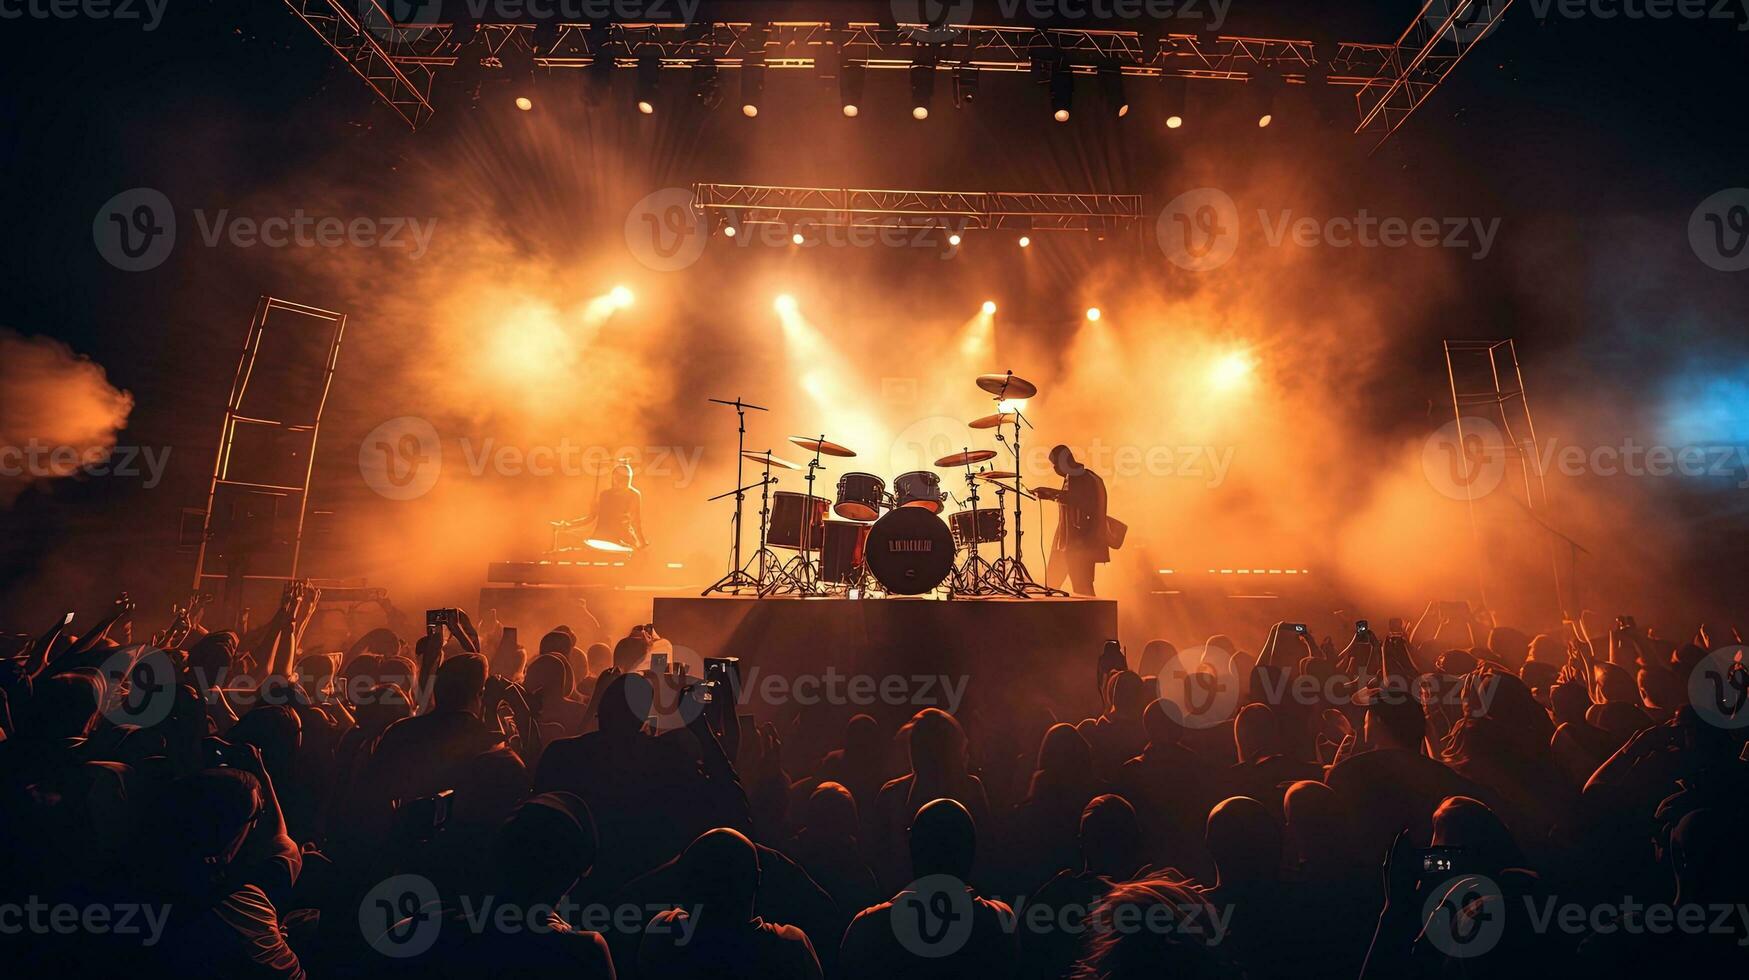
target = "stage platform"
x: 891, y: 657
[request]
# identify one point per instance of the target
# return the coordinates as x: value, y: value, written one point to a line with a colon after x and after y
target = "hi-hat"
x: 992, y: 421
x: 997, y: 475
x: 969, y: 456
x: 1007, y: 386
x: 821, y: 446
x: 766, y: 459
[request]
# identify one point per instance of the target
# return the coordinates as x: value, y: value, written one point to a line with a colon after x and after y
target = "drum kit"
x: 872, y: 538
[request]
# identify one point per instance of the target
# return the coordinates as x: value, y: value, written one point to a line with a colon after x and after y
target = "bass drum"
x: 910, y: 551
x: 976, y: 526
x: 841, y: 555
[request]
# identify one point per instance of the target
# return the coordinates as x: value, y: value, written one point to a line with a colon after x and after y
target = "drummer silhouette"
x: 1080, y: 543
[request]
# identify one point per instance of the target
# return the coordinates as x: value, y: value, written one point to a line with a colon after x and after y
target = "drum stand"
x: 738, y: 579
x: 801, y: 576
x: 976, y: 577
x: 1015, y: 574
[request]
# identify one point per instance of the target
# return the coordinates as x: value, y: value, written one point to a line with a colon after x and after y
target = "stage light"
x: 1093, y: 313
x: 954, y: 240
x: 728, y: 231
x: 1111, y: 87
x: 965, y: 86
x: 1230, y: 371
x: 752, y: 86
x: 785, y: 304
x: 922, y: 87
x: 989, y: 307
x: 850, y: 81
x: 1262, y: 89
x: 621, y: 296
x: 649, y: 76
x: 796, y: 239
x: 1025, y: 241
x: 1177, y: 95
x: 524, y: 103
x: 1062, y: 92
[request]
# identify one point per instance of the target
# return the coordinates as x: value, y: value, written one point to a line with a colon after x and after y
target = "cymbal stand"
x: 1019, y: 577
x: 975, y: 576
x: 737, y: 579
x: 801, y: 575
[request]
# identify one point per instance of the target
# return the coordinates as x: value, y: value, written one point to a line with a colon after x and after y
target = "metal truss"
x: 1390, y: 81
x: 749, y: 204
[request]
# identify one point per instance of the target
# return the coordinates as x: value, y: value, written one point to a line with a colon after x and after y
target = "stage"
x: 892, y: 657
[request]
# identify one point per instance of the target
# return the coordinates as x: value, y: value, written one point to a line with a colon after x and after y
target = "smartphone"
x: 658, y: 664
x: 1395, y: 626
x: 1299, y: 628
x: 722, y: 678
x: 434, y: 621
x: 1360, y: 626
x: 67, y: 620
x: 509, y: 640
x: 1442, y: 860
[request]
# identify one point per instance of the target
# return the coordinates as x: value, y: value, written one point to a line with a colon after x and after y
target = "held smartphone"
x: 67, y: 620
x: 1360, y: 626
x: 1442, y: 860
x: 509, y: 639
x: 1299, y: 628
x: 722, y: 678
x: 658, y: 664
x: 1395, y: 626
x: 437, y: 619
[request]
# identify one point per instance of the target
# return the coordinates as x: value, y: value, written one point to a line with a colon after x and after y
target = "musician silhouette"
x: 619, y: 510
x: 1080, y: 542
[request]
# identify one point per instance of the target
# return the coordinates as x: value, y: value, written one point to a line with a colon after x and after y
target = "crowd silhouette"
x: 1440, y: 799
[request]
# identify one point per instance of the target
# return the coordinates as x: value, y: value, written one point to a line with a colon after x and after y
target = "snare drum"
x: 841, y: 555
x: 791, y: 513
x: 976, y: 526
x: 918, y: 488
x: 860, y: 496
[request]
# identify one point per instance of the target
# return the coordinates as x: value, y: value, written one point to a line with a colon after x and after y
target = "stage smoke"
x: 60, y: 413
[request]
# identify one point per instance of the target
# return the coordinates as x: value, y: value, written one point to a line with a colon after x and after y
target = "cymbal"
x: 997, y: 475
x: 775, y: 461
x: 1007, y: 385
x: 821, y: 446
x: 1011, y: 488
x: 992, y: 421
x: 611, y: 547
x: 969, y: 456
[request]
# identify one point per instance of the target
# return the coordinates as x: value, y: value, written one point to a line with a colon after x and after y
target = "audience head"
x: 1162, y: 723
x: 600, y: 657
x: 1460, y: 821
x: 625, y: 704
x: 460, y: 684
x: 1244, y: 840
x: 1064, y: 752
x: 1319, y: 826
x: 1155, y: 656
x: 630, y: 654
x: 831, y: 811
x: 1126, y: 695
x: 1255, y: 733
x: 64, y: 705
x: 550, y: 675
x: 936, y: 742
x: 1394, y: 720
x: 862, y: 737
x: 1116, y: 950
x: 545, y: 845
x: 944, y: 840
x: 721, y: 872
x: 1111, y: 837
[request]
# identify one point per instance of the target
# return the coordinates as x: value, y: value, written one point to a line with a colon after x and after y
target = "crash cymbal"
x: 776, y: 461
x: 969, y: 456
x: 992, y: 421
x: 1007, y: 385
x: 821, y: 446
x: 997, y: 475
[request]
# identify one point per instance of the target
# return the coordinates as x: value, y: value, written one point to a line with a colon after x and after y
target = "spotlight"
x: 1175, y: 101
x: 1062, y: 92
x: 752, y: 86
x: 524, y: 103
x: 621, y: 296
x: 850, y: 79
x: 1025, y: 241
x: 1093, y: 313
x: 1263, y: 88
x: 922, y: 87
x: 1111, y: 87
x: 796, y: 239
x: 785, y: 304
x: 989, y: 307
x: 1231, y: 370
x: 728, y: 231
x: 965, y: 86
x: 649, y: 75
x: 954, y: 239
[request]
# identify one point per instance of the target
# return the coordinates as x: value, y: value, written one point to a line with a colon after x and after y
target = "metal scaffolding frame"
x: 1390, y: 81
x: 752, y: 204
